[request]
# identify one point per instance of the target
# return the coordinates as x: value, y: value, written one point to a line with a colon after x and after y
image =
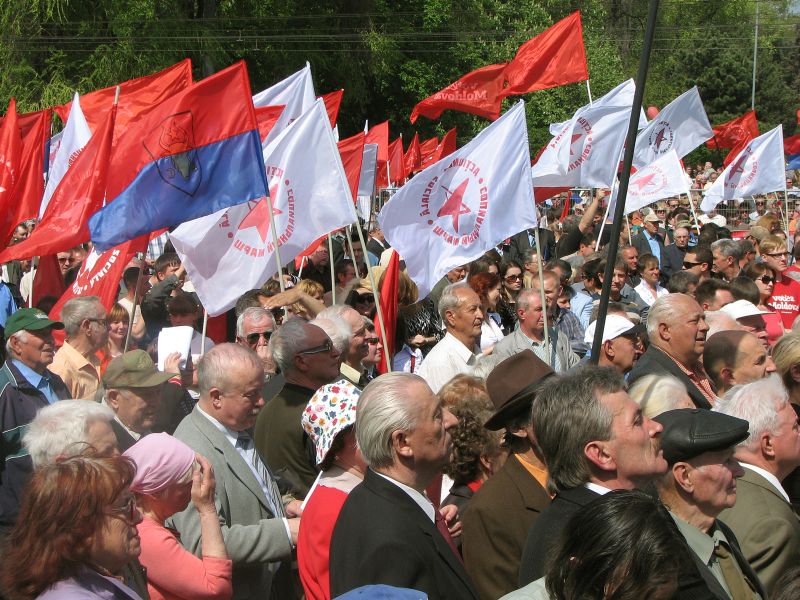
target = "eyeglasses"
x: 252, y: 338
x: 766, y: 279
x: 688, y: 264
x: 783, y: 254
x: 511, y: 278
x: 67, y: 260
x: 372, y: 340
x: 127, y: 511
x: 99, y: 321
x: 325, y: 347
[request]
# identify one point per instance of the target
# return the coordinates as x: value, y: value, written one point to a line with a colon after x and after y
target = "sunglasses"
x: 766, y: 279
x: 366, y: 298
x: 252, y: 338
x: 326, y: 347
x: 511, y: 278
x: 688, y: 264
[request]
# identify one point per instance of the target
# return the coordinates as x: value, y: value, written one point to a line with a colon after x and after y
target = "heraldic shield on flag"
x: 461, y: 206
x: 171, y: 147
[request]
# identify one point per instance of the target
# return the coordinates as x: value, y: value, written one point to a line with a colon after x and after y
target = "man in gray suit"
x: 257, y: 533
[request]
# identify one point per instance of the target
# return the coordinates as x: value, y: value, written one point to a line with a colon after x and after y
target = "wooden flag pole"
x: 135, y: 301
x: 33, y: 278
x: 544, y: 298
x: 694, y: 212
x: 274, y: 231
x: 203, y: 338
x: 378, y: 310
x: 330, y: 264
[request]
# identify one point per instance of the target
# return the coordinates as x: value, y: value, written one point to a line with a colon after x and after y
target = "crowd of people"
x: 504, y: 455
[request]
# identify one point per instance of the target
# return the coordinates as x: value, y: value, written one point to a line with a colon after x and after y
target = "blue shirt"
x: 7, y: 305
x: 40, y: 382
x: 655, y: 249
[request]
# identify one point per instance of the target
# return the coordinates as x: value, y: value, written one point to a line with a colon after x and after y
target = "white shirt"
x: 490, y: 331
x: 644, y: 292
x: 421, y: 499
x: 769, y: 477
x: 447, y: 359
x: 596, y: 488
x: 402, y: 360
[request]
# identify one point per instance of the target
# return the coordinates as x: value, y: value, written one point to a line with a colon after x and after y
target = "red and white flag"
x: 295, y: 93
x: 661, y: 179
x: 622, y: 95
x: 71, y: 142
x: 477, y: 92
x: 681, y: 125
x: 758, y: 169
x: 232, y: 251
x: 461, y: 206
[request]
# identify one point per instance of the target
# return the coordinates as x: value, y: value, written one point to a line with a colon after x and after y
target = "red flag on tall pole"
x: 427, y: 152
x: 388, y: 295
x: 730, y: 134
x: 10, y: 153
x: 413, y: 156
x: 333, y: 101
x: 554, y: 57
x: 379, y: 134
x: 791, y: 144
x: 351, y: 150
x: 447, y: 146
x: 477, y: 93
x: 397, y: 162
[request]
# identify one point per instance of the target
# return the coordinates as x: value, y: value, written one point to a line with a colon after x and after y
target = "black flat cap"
x: 690, y: 432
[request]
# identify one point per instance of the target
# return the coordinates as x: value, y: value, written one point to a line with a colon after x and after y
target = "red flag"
x: 10, y: 152
x: 565, y: 210
x: 791, y: 145
x: 48, y: 280
x: 412, y: 158
x: 388, y: 297
x: 397, y: 161
x: 477, y: 93
x: 136, y: 96
x: 79, y: 195
x: 266, y: 117
x: 736, y: 150
x: 352, y: 152
x: 298, y: 260
x: 730, y: 134
x: 333, y: 101
x: 379, y: 134
x: 448, y: 144
x: 427, y: 152
x: 554, y: 57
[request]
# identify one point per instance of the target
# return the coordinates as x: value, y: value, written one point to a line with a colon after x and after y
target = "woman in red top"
x: 764, y: 278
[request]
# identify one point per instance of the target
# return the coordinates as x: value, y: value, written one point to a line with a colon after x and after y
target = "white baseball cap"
x: 742, y: 308
x: 615, y: 326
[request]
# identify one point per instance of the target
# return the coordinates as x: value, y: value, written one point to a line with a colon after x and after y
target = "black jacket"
x: 655, y: 361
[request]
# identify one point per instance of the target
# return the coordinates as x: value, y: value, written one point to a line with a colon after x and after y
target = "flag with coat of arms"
x: 463, y: 205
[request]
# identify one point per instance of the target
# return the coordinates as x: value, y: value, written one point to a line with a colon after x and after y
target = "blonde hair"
x: 771, y: 243
x: 786, y: 354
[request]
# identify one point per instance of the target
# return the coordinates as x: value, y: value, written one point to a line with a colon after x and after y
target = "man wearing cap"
x: 133, y: 391
x: 496, y: 523
x: 735, y: 358
x: 762, y: 518
x: 699, y: 447
x: 750, y: 318
x: 26, y: 385
x: 86, y: 327
x: 649, y: 241
x: 594, y: 439
x: 621, y: 346
x: 530, y: 335
x: 677, y: 330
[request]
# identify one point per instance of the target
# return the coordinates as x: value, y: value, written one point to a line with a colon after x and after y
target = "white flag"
x: 682, y: 125
x: 67, y: 147
x: 586, y: 151
x: 758, y: 169
x: 622, y: 95
x: 658, y: 180
x: 461, y: 206
x: 295, y: 93
x: 232, y: 251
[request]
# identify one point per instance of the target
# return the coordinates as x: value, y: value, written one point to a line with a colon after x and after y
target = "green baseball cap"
x: 134, y: 369
x: 30, y: 319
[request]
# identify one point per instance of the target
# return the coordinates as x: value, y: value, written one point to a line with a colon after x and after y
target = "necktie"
x: 413, y: 362
x: 441, y: 525
x: 738, y: 585
x: 244, y: 442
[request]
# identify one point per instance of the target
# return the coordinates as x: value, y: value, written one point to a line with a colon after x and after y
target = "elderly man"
x: 457, y: 352
x: 257, y: 534
x: 357, y: 347
x: 133, y: 391
x: 86, y: 328
x: 530, y: 336
x: 762, y: 518
x: 675, y: 253
x: 26, y: 386
x: 388, y: 531
x: 594, y: 439
x: 677, y: 331
x: 69, y: 428
x: 308, y: 360
x: 727, y: 254
x: 649, y: 241
x: 254, y: 327
x: 734, y: 358
x: 502, y: 510
x: 698, y: 445
x: 621, y: 344
x: 749, y: 318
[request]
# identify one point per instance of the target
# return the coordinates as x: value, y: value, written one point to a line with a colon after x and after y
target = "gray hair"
x: 728, y: 248
x: 567, y: 414
x: 718, y: 321
x: 215, y: 368
x: 77, y: 310
x: 664, y: 310
x: 338, y: 330
x: 525, y: 296
x: 252, y: 313
x: 385, y: 406
x: 449, y: 300
x: 656, y: 394
x: 21, y: 335
x: 757, y: 403
x: 61, y: 429
x: 368, y: 323
x: 287, y: 341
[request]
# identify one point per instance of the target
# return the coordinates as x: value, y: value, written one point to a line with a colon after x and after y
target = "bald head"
x: 735, y: 358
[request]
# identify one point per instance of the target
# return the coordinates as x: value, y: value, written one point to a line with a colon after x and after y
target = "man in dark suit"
x: 649, y: 240
x: 376, y: 243
x: 133, y: 391
x: 594, y: 439
x: 503, y: 508
x: 525, y: 240
x: 388, y: 531
x: 676, y: 252
x: 677, y: 330
x: 698, y: 445
x: 257, y: 533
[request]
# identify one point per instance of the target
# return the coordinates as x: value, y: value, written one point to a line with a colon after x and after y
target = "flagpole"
x: 694, y: 212
x: 628, y: 223
x: 630, y: 142
x: 33, y: 278
x: 205, y: 328
x: 133, y: 310
x: 589, y: 91
x: 755, y: 56
x: 541, y: 293
x: 302, y: 264
x: 605, y: 218
x: 275, y: 241
x: 330, y: 264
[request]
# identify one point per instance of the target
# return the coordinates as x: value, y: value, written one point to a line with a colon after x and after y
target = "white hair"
x: 664, y: 310
x: 656, y: 394
x: 76, y: 311
x: 449, y: 300
x: 718, y: 320
x: 338, y: 330
x: 287, y: 341
x: 758, y: 403
x: 252, y: 313
x: 61, y: 429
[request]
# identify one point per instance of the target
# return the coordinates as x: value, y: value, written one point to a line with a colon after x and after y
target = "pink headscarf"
x: 161, y: 461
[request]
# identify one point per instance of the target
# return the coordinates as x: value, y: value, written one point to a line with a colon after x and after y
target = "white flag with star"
x: 661, y: 179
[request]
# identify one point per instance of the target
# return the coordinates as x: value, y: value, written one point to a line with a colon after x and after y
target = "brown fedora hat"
x: 512, y: 385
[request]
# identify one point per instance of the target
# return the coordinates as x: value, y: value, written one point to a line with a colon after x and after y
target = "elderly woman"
x: 487, y: 286
x: 329, y: 421
x: 168, y: 474
x: 75, y: 533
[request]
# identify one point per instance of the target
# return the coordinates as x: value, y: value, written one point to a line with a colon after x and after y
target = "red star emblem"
x: 575, y: 137
x: 738, y: 165
x: 643, y: 182
x: 454, y: 204
x: 660, y: 137
x: 258, y: 216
